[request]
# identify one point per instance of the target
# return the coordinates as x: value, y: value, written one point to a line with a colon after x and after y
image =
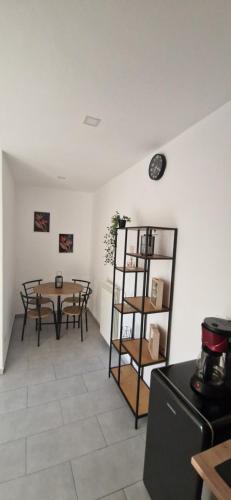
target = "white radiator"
x: 105, y: 311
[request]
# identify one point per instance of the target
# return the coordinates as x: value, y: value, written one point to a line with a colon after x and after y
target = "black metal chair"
x: 85, y: 307
x: 75, y: 311
x: 29, y: 292
x: 74, y: 299
x: 33, y: 309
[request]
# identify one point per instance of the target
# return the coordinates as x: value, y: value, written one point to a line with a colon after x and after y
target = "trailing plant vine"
x: 109, y: 237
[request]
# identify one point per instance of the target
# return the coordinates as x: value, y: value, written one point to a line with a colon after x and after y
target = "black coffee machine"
x: 213, y: 370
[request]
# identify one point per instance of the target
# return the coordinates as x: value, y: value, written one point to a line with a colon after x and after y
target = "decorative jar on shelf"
x: 147, y: 243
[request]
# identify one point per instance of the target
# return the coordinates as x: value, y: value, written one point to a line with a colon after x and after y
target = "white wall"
x: 7, y: 228
x: 1, y: 268
x: 37, y: 253
x: 194, y: 195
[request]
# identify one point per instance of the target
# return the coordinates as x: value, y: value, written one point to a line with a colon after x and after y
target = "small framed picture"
x: 154, y: 342
x: 66, y: 242
x: 42, y: 222
x: 157, y: 291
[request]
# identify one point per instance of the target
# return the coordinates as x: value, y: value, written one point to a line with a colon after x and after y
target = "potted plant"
x: 117, y: 221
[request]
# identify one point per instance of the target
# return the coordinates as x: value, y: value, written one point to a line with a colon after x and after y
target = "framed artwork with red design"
x: 66, y: 243
x: 42, y: 222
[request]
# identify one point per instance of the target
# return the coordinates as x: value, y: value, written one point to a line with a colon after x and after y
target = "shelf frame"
x: 136, y: 350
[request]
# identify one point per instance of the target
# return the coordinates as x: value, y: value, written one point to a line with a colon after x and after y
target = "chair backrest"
x: 86, y: 297
x: 85, y: 284
x: 28, y: 300
x: 24, y: 300
x: 29, y: 286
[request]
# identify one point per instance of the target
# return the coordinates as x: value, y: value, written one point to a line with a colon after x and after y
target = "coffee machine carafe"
x: 213, y: 366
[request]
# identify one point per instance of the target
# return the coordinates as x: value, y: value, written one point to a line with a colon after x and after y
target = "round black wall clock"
x: 157, y: 167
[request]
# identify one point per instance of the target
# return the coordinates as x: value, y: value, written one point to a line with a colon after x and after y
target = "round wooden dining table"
x: 68, y: 288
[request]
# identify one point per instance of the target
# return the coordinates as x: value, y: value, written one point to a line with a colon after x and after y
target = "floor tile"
x: 91, y: 403
x: 28, y: 421
x: 144, y: 435
x: 58, y: 389
x: 114, y: 359
x: 119, y: 495
x: 38, y: 375
x: 52, y: 484
x: 16, y: 363
x: 39, y: 363
x: 74, y: 374
x: 65, y: 443
x: 137, y: 492
x: 119, y: 424
x: 96, y: 380
x: 117, y: 466
x: 13, y: 400
x: 12, y: 460
x: 14, y: 380
x: 78, y: 367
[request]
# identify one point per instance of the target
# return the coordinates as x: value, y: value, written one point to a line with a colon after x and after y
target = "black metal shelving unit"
x: 130, y: 376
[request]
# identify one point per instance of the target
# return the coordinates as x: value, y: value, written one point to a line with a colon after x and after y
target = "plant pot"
x: 122, y: 223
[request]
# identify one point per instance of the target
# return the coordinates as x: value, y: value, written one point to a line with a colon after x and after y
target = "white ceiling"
x: 148, y: 68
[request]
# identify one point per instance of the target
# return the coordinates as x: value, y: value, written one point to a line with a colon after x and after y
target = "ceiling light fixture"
x: 91, y: 121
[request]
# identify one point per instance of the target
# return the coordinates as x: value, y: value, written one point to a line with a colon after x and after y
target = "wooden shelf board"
x: 136, y: 303
x: 132, y: 346
x: 140, y: 228
x: 127, y: 308
x: 116, y: 344
x: 130, y: 269
x: 128, y: 385
x: 151, y: 257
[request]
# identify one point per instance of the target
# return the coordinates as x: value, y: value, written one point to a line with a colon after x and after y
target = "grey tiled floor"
x: 65, y: 429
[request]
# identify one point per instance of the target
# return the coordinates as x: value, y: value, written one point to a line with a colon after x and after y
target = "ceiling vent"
x: 91, y: 121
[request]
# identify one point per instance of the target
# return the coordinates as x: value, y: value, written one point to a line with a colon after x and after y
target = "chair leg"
x: 86, y: 321
x: 67, y: 323
x: 56, y: 326
x: 74, y: 322
x: 39, y: 329
x: 81, y: 324
x: 24, y: 324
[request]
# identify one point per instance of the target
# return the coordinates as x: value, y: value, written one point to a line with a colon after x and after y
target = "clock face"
x: 157, y: 167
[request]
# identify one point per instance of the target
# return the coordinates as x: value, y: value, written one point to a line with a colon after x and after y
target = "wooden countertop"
x: 204, y: 464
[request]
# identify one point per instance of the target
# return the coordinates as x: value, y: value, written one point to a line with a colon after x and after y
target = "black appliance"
x: 181, y: 423
x: 213, y: 365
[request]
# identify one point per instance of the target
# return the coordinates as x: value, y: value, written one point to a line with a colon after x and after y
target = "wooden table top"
x: 204, y: 464
x: 68, y: 288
